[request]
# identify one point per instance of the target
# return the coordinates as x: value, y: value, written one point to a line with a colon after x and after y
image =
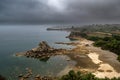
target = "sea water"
x: 19, y: 38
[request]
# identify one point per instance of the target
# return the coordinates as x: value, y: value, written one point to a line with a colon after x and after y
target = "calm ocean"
x: 18, y: 38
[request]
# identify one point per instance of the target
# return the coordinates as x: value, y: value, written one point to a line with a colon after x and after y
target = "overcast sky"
x: 60, y: 11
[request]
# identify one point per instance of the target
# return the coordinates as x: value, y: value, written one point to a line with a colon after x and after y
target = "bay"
x: 18, y: 38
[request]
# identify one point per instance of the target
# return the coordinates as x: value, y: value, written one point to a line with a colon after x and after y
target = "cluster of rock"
x: 43, y: 50
x: 29, y: 76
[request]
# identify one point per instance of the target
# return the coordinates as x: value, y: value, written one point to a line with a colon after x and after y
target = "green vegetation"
x: 107, y: 43
x: 105, y: 36
x: 97, y: 28
x: 80, y: 76
x: 110, y: 43
x: 93, y: 38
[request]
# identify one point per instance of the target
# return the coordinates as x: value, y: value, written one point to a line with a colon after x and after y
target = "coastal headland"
x: 88, y: 58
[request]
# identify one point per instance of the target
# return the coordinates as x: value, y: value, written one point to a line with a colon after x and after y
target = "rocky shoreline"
x: 85, y: 54
x: 29, y: 76
x: 42, y: 51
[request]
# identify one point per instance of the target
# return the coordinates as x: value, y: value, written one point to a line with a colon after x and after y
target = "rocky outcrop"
x: 43, y: 46
x: 43, y: 51
x: 30, y: 76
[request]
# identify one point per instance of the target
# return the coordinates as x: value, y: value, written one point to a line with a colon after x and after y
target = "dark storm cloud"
x: 56, y: 11
x: 96, y: 11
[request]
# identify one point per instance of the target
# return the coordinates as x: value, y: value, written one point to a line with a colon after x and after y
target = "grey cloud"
x: 96, y: 11
x: 79, y: 11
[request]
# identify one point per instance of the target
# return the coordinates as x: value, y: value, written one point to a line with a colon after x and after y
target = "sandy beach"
x: 107, y: 61
x: 101, y: 63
